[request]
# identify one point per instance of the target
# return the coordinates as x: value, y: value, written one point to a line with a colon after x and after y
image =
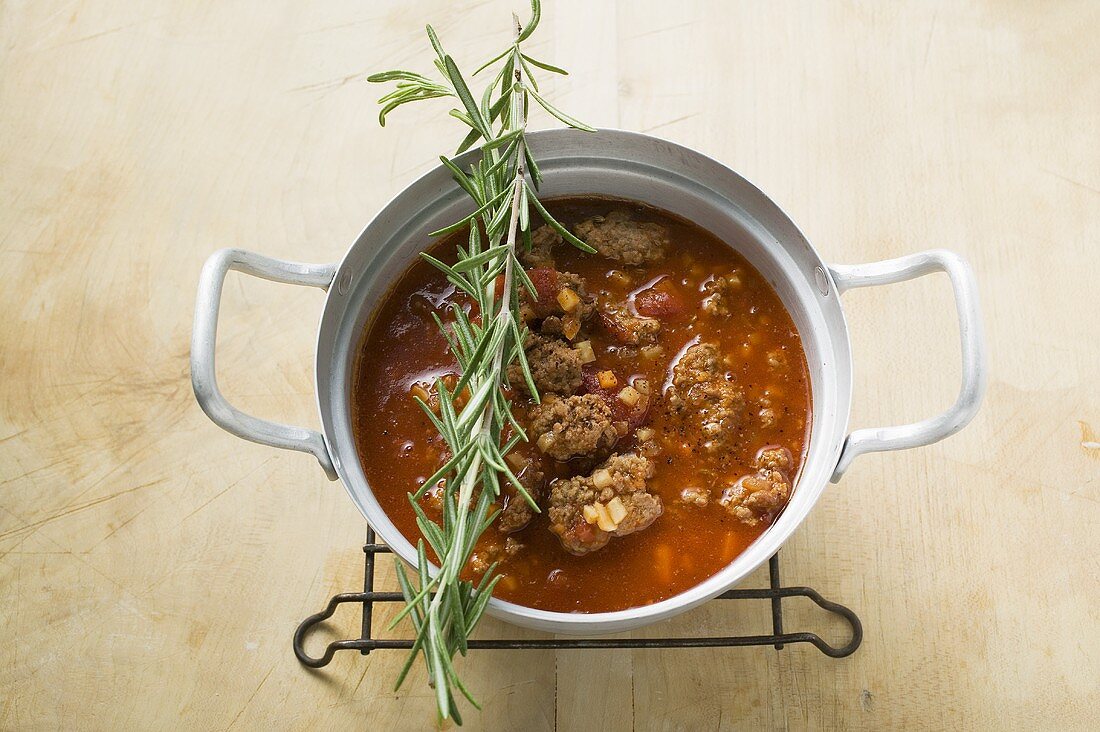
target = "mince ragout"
x: 674, y: 411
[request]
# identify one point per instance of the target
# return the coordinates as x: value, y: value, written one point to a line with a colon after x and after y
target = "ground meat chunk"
x: 721, y: 294
x: 573, y: 426
x: 760, y: 496
x: 701, y: 392
x: 766, y: 413
x: 483, y: 557
x: 543, y: 241
x: 617, y: 236
x: 695, y: 496
x: 555, y: 366
x: 517, y: 512
x: 627, y: 329
x: 621, y: 482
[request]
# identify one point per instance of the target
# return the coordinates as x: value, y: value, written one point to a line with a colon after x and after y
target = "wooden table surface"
x: 153, y: 567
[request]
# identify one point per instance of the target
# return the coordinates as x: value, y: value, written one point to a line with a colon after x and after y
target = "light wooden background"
x: 152, y: 567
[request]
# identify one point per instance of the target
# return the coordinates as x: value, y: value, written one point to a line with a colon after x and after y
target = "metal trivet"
x: 775, y: 593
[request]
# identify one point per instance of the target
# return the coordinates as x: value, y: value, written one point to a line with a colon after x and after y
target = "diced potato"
x: 642, y: 385
x: 590, y: 514
x: 570, y: 327
x: 617, y: 510
x: 607, y: 379
x: 568, y: 299
x: 584, y: 350
x: 629, y: 396
x: 545, y: 441
x: 644, y: 434
x: 601, y: 478
x: 651, y: 352
x: 603, y: 520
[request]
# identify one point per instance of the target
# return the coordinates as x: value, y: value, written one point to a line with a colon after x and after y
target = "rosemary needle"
x: 444, y: 608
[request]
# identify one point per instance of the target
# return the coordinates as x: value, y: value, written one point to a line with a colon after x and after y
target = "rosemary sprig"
x: 444, y: 608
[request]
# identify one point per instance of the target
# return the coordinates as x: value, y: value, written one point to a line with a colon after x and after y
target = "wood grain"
x: 153, y: 567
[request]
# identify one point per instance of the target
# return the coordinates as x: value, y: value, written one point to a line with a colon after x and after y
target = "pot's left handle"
x: 204, y: 336
x: 971, y: 339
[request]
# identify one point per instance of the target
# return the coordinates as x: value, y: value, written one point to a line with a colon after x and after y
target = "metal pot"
x: 624, y: 165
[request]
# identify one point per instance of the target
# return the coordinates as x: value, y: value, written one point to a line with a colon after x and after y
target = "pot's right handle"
x: 204, y: 336
x: 936, y: 428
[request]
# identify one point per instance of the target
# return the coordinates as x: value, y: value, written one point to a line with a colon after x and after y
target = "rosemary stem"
x: 483, y: 423
x: 476, y: 427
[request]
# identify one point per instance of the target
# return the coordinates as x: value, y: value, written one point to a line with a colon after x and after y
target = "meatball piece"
x: 721, y: 294
x: 587, y: 511
x: 695, y: 496
x: 483, y: 557
x: 543, y: 241
x: 573, y: 426
x: 555, y: 366
x: 516, y: 515
x: 517, y: 512
x: 553, y: 310
x: 627, y: 329
x: 701, y: 392
x: 775, y: 458
x: 759, y: 497
x: 617, y: 236
x: 766, y: 413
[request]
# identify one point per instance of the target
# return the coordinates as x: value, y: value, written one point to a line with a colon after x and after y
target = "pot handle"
x: 204, y: 335
x: 971, y: 337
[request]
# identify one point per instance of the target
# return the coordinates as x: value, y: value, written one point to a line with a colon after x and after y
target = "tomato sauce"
x: 402, y: 351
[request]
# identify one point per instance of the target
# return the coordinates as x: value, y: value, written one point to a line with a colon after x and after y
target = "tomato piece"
x: 545, y: 281
x: 657, y: 302
x: 614, y: 328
